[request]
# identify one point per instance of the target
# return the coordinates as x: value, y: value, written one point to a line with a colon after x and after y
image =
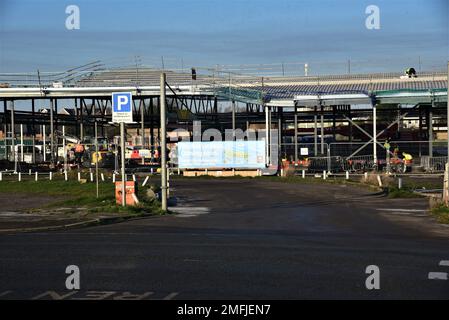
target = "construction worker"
x: 79, y: 151
x: 395, y: 152
x: 387, y: 149
x: 407, y: 157
x: 411, y: 72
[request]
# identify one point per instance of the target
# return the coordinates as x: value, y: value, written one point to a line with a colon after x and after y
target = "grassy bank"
x: 441, y: 213
x: 76, y: 195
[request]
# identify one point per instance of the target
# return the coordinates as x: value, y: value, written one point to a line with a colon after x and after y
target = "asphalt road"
x: 241, y: 239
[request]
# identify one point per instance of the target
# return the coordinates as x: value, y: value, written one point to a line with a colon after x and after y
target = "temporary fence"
x: 433, y: 164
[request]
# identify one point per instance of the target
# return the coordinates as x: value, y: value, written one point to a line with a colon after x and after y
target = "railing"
x: 433, y: 164
x: 338, y: 156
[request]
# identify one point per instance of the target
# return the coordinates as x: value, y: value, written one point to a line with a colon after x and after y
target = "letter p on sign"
x: 121, y: 102
x: 122, y: 107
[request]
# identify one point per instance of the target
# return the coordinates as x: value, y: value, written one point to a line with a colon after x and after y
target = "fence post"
x: 324, y: 174
x: 379, y: 180
x: 79, y: 176
x: 446, y: 184
x: 328, y: 158
x: 1, y: 176
x: 50, y: 176
x: 36, y: 176
x: 20, y: 176
x: 303, y: 174
x: 347, y: 175
x: 366, y: 176
x: 65, y: 176
x: 399, y: 183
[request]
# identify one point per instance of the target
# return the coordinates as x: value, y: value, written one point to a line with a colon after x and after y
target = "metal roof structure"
x: 273, y: 91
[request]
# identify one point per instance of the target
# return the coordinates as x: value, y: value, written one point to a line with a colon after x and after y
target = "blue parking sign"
x: 122, y: 107
x: 121, y: 101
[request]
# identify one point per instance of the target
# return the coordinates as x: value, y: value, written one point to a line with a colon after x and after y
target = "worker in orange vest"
x: 79, y: 151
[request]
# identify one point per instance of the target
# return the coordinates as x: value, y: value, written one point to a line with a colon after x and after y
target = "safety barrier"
x: 433, y: 164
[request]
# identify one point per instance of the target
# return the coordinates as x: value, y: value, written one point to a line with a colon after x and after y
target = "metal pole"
x: 233, y: 120
x: 122, y: 156
x: 34, y: 149
x: 64, y: 148
x: 22, y: 158
x: 296, y: 138
x: 44, y: 141
x: 142, y: 125
x: 375, y: 135
x: 96, y: 155
x: 322, y: 131
x: 315, y: 133
x: 267, y: 137
x: 279, y: 137
x: 52, y: 134
x: 447, y: 117
x: 13, y: 136
x: 430, y: 127
x: 163, y: 144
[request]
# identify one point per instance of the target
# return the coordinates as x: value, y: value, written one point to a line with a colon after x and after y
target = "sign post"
x: 163, y: 144
x: 122, y: 113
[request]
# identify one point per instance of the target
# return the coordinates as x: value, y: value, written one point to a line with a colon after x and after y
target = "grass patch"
x: 441, y: 213
x: 394, y: 192
x: 82, y: 195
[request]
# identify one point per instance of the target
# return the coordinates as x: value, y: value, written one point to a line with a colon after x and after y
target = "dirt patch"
x: 25, y: 201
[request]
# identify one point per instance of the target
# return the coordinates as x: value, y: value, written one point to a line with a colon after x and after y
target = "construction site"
x: 337, y: 123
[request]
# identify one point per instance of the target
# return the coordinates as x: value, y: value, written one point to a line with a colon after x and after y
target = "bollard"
x: 399, y: 183
x: 50, y: 176
x: 324, y: 174
x: 134, y: 177
x: 179, y: 171
x: 366, y: 176
x: 303, y: 174
x: 79, y: 176
x: 29, y: 172
x: 347, y: 175
x: 91, y: 177
x: 145, y: 181
x: 379, y: 180
x: 102, y: 176
x: 66, y: 176
x: 1, y: 176
x: 36, y: 176
x: 20, y: 176
x: 113, y: 178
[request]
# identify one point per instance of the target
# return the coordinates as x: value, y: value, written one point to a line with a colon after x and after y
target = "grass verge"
x: 394, y: 192
x: 77, y: 195
x: 441, y: 213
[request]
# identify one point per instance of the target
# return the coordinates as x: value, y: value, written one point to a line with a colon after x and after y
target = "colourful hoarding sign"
x: 221, y: 154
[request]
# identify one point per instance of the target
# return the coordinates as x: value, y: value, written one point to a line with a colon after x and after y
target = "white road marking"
x: 171, y: 296
x: 5, y: 293
x: 401, y: 210
x: 187, y: 212
x: 444, y: 263
x: 437, y: 276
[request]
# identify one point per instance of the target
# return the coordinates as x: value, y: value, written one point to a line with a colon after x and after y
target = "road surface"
x: 241, y: 239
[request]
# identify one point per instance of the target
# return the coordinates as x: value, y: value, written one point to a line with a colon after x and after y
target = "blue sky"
x: 208, y: 32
